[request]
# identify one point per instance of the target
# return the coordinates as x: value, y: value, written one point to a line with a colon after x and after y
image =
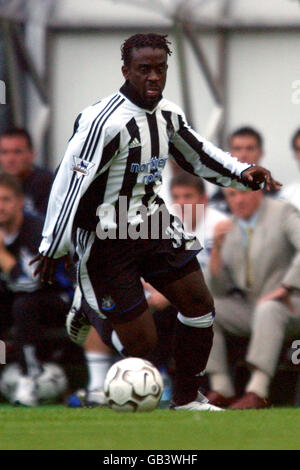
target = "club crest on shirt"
x: 170, y: 132
x: 107, y: 303
x: 81, y: 167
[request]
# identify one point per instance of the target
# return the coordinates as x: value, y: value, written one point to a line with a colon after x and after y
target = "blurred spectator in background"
x: 254, y: 276
x: 291, y: 192
x: 25, y: 306
x: 188, y: 189
x: 246, y: 144
x: 17, y: 159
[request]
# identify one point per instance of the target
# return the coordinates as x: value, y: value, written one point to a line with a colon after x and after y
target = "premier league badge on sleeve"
x: 81, y: 167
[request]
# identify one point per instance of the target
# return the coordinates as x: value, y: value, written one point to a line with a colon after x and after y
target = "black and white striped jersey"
x: 119, y: 148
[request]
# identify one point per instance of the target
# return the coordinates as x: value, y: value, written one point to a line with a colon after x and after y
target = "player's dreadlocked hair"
x: 154, y: 40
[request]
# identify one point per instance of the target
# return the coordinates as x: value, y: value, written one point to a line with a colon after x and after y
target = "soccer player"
x: 118, y: 150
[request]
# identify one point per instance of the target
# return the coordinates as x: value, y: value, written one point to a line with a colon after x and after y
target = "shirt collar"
x: 251, y: 222
x: 131, y: 93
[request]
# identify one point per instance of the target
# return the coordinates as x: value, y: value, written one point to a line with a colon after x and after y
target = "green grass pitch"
x: 58, y: 427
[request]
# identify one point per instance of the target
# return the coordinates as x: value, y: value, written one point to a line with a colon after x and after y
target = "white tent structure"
x: 235, y: 62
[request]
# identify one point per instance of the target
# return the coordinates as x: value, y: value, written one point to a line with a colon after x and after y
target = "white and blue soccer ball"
x: 133, y: 384
x: 50, y: 384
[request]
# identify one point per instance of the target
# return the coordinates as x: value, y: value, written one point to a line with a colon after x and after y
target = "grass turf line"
x: 58, y: 427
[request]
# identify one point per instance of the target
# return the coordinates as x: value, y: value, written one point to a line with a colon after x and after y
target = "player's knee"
x: 203, y: 305
x: 143, y: 345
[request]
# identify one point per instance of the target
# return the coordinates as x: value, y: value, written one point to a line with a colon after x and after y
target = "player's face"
x: 15, y: 155
x: 243, y: 204
x: 11, y: 206
x: 297, y: 149
x: 184, y: 195
x: 147, y: 72
x: 246, y: 149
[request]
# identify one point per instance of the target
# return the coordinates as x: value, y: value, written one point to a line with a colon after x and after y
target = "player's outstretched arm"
x: 260, y: 175
x: 199, y: 156
x: 46, y: 267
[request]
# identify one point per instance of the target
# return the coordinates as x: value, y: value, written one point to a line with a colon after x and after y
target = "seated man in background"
x: 17, y: 159
x: 25, y: 306
x: 246, y: 144
x: 254, y: 276
x: 291, y: 192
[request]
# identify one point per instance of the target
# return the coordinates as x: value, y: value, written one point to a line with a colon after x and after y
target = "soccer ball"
x: 133, y: 384
x: 52, y: 382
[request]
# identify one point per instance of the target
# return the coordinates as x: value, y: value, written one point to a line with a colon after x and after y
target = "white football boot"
x: 200, y: 404
x: 77, y: 324
x: 25, y: 392
x: 95, y: 398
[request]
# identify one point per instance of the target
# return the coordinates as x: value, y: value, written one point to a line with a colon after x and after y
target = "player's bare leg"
x: 138, y: 336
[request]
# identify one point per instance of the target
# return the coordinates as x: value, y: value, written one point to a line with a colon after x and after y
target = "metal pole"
x: 14, y: 78
x: 28, y: 64
x: 38, y: 109
x: 184, y: 82
x: 200, y: 56
x: 223, y: 45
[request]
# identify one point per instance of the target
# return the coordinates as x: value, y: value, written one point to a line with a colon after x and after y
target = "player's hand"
x: 258, y: 175
x: 47, y: 267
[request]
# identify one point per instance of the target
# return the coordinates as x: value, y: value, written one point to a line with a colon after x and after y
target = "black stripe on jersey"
x: 105, y: 118
x: 197, y: 146
x: 91, y: 130
x: 109, y: 151
x: 177, y: 155
x: 180, y: 160
x: 134, y: 156
x: 154, y: 136
x: 93, y: 197
x: 167, y: 117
